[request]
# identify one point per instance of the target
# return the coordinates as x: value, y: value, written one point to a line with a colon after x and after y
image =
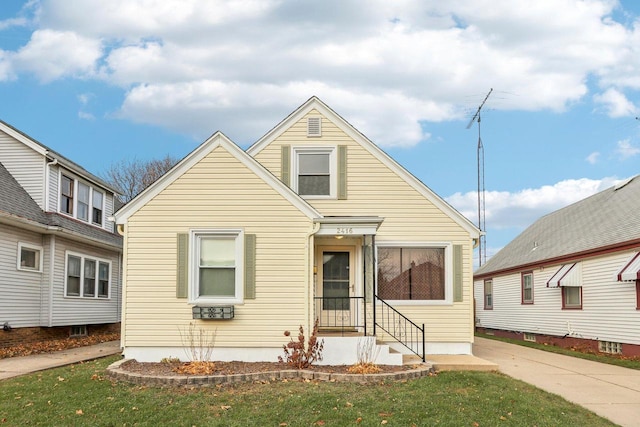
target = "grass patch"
x: 618, y: 360
x: 81, y: 395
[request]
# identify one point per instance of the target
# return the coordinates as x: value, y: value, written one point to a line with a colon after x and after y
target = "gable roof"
x: 17, y: 207
x: 53, y: 155
x: 218, y: 139
x: 315, y: 103
x: 607, y: 220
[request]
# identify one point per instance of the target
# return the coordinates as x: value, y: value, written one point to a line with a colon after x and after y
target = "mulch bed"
x: 159, y: 369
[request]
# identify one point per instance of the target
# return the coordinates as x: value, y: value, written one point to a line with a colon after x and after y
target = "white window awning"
x: 567, y: 275
x: 630, y: 271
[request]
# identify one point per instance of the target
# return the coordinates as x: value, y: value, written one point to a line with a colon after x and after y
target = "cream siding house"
x: 314, y: 217
x: 60, y: 259
x: 570, y: 279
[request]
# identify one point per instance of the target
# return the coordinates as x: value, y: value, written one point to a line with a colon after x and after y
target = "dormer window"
x: 81, y: 201
x: 96, y: 217
x: 66, y: 195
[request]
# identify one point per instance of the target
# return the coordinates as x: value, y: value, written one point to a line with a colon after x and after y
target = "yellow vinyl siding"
x: 376, y: 190
x: 218, y: 192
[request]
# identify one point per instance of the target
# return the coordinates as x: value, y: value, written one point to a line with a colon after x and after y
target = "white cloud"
x: 593, y: 157
x: 616, y: 103
x: 86, y: 116
x: 55, y: 54
x: 520, y: 209
x: 206, y: 106
x: 12, y: 22
x: 84, y: 98
x: 389, y: 66
x: 625, y: 150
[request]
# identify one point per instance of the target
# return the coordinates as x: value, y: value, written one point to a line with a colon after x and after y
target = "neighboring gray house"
x: 60, y: 258
x: 570, y: 279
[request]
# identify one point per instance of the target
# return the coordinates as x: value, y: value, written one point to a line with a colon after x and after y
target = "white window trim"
x: 82, y: 259
x: 33, y: 248
x: 448, y: 270
x: 92, y: 189
x: 194, y: 276
x: 333, y: 170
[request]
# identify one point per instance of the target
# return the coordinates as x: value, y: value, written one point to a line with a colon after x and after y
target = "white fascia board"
x: 216, y: 140
x: 35, y: 146
x: 346, y: 127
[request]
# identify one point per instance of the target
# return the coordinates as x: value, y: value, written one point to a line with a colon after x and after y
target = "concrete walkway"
x: 16, y: 366
x: 610, y: 391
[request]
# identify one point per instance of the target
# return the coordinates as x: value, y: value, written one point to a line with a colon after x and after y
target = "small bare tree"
x: 132, y: 176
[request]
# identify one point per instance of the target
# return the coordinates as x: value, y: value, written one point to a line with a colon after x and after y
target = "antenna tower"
x: 482, y: 246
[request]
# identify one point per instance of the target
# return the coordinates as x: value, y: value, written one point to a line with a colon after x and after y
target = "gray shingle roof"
x: 15, y: 201
x: 606, y: 219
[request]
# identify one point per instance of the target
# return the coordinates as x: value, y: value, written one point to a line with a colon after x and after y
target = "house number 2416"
x: 344, y: 230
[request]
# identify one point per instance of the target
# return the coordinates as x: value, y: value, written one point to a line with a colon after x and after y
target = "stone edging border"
x: 115, y: 372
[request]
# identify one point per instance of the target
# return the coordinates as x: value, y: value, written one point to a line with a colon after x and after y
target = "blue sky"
x: 100, y: 81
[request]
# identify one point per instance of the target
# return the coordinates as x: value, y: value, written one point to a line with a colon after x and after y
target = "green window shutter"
x: 182, y: 279
x: 249, y: 266
x: 457, y: 273
x: 285, y: 167
x: 342, y: 172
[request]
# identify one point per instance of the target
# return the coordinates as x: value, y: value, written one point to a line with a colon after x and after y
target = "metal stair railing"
x: 396, y: 325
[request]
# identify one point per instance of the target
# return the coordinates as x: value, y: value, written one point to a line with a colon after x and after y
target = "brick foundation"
x: 574, y: 343
x: 22, y: 336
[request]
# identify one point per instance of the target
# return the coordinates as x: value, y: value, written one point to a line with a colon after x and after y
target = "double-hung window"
x: 315, y: 172
x: 413, y: 273
x: 96, y: 213
x: 81, y: 200
x: 572, y: 297
x: 29, y: 257
x: 87, y: 277
x: 66, y: 194
x: 527, y: 288
x: 217, y: 266
x: 488, y: 294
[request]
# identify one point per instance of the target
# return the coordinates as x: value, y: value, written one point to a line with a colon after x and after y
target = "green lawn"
x: 81, y: 395
x: 625, y: 362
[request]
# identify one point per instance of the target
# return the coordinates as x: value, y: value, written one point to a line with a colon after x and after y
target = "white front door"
x: 336, y: 286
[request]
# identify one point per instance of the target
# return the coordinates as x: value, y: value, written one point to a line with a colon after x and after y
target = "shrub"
x: 367, y: 354
x: 297, y: 355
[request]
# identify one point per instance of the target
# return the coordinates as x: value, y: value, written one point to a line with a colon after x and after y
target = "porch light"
x: 339, y: 236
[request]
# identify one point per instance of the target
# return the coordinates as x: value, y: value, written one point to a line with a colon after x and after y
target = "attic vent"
x: 313, y: 126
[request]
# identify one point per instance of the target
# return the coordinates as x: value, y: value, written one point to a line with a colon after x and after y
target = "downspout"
x: 310, y: 276
x: 45, y: 202
x: 52, y: 241
x: 52, y: 257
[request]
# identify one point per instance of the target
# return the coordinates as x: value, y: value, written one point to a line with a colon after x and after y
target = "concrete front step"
x: 460, y: 362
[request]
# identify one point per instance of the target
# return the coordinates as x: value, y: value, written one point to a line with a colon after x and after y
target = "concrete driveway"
x: 609, y: 391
